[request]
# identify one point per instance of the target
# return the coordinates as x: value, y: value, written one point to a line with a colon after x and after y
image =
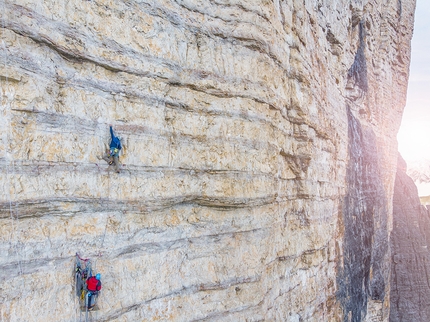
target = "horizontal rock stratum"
x: 258, y: 164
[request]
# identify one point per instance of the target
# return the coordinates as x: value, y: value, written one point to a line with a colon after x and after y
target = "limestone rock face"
x: 258, y: 164
x: 410, y: 241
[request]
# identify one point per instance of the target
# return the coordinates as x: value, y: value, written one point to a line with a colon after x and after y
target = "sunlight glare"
x: 414, y: 143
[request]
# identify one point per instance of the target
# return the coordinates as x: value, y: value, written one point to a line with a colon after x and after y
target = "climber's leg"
x: 108, y: 158
x: 116, y: 161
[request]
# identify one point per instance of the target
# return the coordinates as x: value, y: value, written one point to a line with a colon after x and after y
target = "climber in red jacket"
x: 94, y: 284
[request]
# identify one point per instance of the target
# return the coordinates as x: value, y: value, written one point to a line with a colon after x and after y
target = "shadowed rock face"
x: 258, y: 164
x: 410, y: 242
x: 363, y: 268
x: 363, y: 271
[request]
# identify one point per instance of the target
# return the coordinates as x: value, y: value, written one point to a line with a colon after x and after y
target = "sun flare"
x: 414, y: 143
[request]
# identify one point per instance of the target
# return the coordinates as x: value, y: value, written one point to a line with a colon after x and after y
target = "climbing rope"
x: 107, y: 215
x: 106, y: 224
x: 7, y: 96
x: 6, y: 99
x: 10, y: 181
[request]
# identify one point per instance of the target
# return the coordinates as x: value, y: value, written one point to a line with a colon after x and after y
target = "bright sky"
x: 414, y: 134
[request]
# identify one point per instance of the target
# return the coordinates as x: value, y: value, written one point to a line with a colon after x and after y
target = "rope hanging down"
x: 6, y: 99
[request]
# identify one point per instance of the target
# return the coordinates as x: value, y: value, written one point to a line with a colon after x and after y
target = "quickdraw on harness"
x: 113, y: 153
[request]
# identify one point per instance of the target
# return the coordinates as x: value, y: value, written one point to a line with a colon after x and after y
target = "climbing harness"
x: 114, y: 152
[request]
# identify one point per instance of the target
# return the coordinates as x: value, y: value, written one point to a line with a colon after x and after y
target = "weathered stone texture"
x: 244, y: 124
x: 410, y: 241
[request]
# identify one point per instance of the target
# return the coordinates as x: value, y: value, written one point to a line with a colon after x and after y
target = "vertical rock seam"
x: 361, y: 273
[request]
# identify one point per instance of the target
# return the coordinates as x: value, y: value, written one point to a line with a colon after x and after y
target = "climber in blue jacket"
x: 112, y: 155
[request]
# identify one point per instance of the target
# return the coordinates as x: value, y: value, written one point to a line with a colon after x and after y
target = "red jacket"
x: 93, y: 284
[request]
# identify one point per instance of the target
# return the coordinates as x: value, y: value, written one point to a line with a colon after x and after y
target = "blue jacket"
x: 115, y: 143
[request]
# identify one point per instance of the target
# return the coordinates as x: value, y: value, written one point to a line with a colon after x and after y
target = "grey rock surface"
x: 258, y: 164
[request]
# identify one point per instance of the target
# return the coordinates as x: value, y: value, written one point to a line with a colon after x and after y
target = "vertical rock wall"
x: 258, y: 163
x: 410, y: 290
x: 363, y: 275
